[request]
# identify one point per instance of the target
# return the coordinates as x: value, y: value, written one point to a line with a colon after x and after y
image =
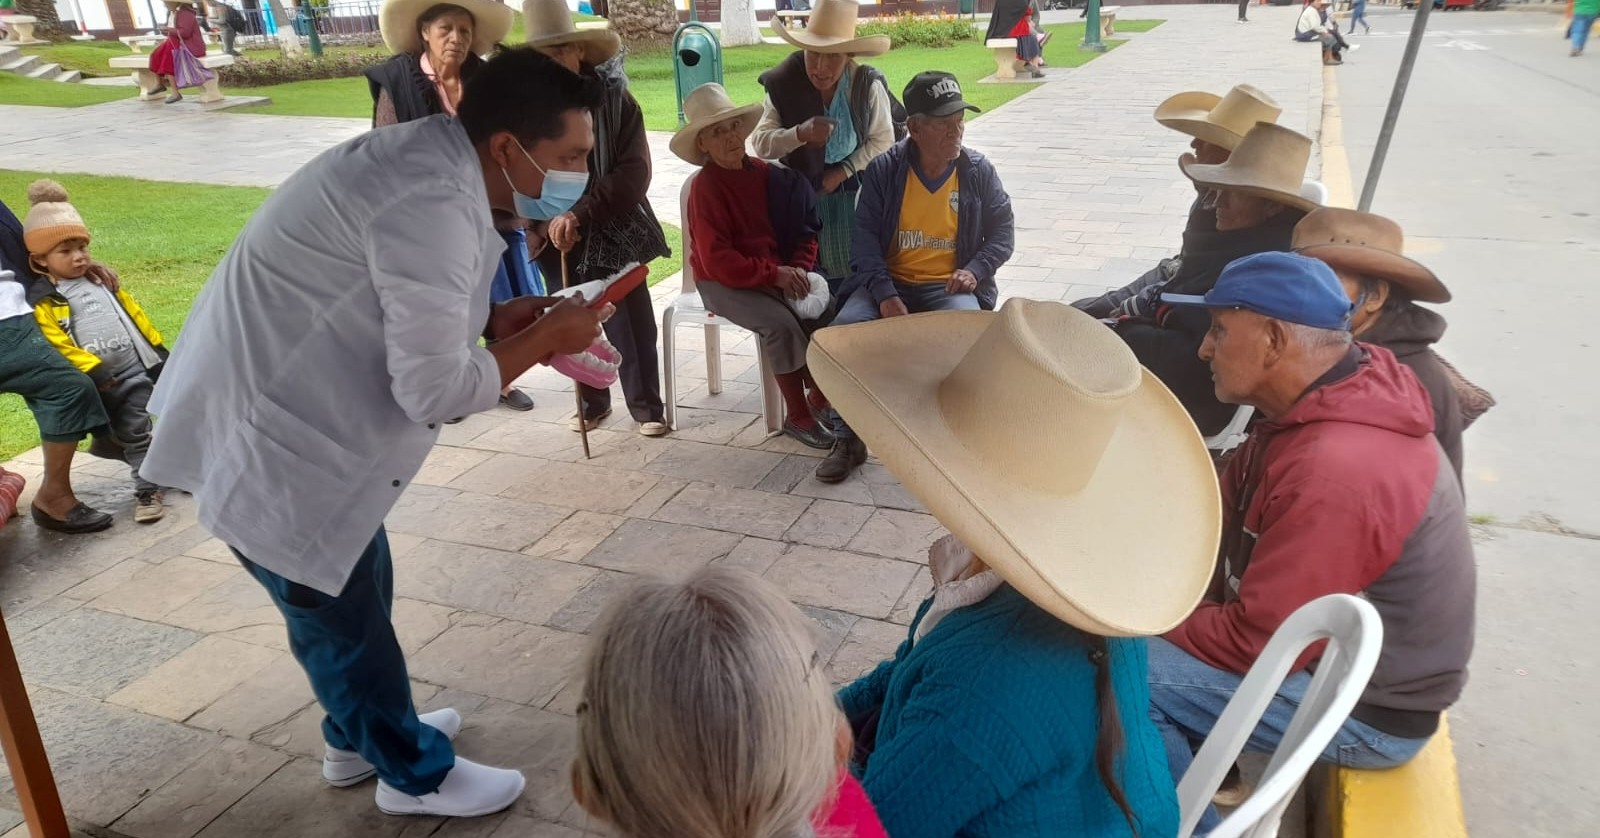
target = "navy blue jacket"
x: 984, y: 234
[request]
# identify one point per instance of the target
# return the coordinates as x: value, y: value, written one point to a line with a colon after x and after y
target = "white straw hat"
x: 832, y: 28
x: 397, y: 20
x: 704, y: 107
x: 1270, y: 162
x: 549, y: 23
x: 1219, y: 120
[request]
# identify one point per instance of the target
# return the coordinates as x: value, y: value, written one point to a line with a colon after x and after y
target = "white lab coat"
x: 337, y: 333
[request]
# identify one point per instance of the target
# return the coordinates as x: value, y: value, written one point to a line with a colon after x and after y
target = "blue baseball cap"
x: 1283, y: 286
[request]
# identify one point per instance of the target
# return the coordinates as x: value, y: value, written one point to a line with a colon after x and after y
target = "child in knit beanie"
x: 104, y: 334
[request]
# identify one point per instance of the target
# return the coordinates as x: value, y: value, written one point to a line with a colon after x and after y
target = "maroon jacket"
x: 1349, y: 492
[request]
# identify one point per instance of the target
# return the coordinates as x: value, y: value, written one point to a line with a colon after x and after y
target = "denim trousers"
x: 919, y: 297
x: 1187, y: 696
x: 1581, y: 24
x: 348, y: 648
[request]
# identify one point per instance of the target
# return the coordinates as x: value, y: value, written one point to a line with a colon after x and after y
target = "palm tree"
x: 642, y: 22
x: 49, y: 25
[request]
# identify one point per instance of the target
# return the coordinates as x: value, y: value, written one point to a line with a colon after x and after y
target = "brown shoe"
x: 848, y: 453
x: 151, y: 506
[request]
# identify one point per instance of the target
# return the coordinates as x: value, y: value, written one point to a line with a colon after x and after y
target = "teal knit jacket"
x: 987, y: 727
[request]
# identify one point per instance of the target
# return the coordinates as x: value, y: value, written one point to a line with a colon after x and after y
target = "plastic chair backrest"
x: 1313, y: 190
x: 1355, y: 637
x: 683, y: 216
x: 1234, y: 434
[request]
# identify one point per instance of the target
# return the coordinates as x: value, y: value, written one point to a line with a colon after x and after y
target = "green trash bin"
x: 696, y: 60
x: 968, y: 7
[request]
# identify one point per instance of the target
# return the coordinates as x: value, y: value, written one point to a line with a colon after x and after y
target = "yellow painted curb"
x: 1421, y: 799
x: 1335, y: 162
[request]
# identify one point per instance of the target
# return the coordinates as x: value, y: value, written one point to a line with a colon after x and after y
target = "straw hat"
x: 832, y: 29
x: 1366, y: 244
x: 1270, y: 162
x: 1220, y: 121
x: 704, y: 107
x: 549, y: 24
x: 1034, y: 436
x: 397, y: 20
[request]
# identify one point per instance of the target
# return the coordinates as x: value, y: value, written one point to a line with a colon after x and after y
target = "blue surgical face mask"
x: 561, y: 191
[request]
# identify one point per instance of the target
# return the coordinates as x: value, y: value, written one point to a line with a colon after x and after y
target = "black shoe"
x: 847, y: 454
x: 81, y: 519
x: 515, y: 399
x: 815, y: 436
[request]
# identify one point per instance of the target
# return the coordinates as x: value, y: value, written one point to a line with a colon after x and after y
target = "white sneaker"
x: 346, y: 768
x: 470, y: 790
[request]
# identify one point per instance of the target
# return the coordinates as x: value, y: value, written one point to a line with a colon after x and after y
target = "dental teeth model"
x: 611, y: 289
x: 595, y: 366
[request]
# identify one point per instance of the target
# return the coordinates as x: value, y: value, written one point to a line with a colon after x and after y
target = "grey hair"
x: 1311, y: 337
x: 706, y: 713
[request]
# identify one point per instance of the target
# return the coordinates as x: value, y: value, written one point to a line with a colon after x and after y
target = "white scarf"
x: 957, y: 582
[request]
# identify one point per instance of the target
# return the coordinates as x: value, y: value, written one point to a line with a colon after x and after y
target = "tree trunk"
x: 288, y: 41
x: 644, y: 22
x: 49, y: 25
x: 739, y: 27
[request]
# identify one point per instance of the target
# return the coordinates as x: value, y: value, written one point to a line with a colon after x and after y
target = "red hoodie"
x: 1349, y: 492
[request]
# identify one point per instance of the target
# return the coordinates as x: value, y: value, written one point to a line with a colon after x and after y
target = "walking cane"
x: 577, y: 389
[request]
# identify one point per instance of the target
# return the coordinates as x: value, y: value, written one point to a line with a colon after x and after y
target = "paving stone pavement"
x: 159, y: 671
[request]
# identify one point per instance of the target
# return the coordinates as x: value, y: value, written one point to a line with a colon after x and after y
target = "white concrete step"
x: 44, y: 71
x: 69, y: 76
x: 22, y: 64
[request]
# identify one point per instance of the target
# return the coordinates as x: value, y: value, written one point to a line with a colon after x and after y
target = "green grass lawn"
x: 164, y: 239
x: 16, y: 90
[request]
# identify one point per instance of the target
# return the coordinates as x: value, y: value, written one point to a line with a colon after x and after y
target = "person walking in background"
x: 104, y: 333
x: 229, y: 23
x: 612, y: 225
x: 1243, y: 6
x: 1358, y: 14
x: 1583, y: 14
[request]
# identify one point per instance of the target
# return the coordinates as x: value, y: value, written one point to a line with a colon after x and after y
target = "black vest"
x: 412, y: 93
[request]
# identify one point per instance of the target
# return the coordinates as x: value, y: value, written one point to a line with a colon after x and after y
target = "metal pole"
x: 1396, y: 99
x: 1091, y: 30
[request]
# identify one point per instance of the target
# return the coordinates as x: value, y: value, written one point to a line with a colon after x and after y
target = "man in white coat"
x: 312, y: 375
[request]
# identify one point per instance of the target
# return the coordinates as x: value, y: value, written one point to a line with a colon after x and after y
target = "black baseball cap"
x: 934, y: 93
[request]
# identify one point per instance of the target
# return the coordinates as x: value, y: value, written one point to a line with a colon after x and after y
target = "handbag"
x: 633, y: 237
x: 187, y: 70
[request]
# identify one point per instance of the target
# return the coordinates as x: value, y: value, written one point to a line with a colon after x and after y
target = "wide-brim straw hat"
x: 832, y: 28
x: 549, y: 24
x: 1035, y: 437
x: 397, y: 20
x: 1369, y: 245
x: 1270, y: 162
x: 704, y: 107
x: 1218, y: 120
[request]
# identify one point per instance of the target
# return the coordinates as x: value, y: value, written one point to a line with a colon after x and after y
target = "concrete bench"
x: 147, y: 81
x: 790, y: 17
x: 1005, y: 57
x: 1108, y: 20
x: 1421, y: 799
x: 21, y: 27
x: 138, y: 43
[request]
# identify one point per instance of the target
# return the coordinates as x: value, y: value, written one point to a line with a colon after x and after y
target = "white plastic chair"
x: 689, y: 310
x: 1234, y: 434
x: 1355, y: 636
x: 1313, y: 190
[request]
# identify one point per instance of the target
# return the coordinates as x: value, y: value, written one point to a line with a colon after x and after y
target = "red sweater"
x: 732, y: 241
x: 1349, y: 492
x: 852, y: 815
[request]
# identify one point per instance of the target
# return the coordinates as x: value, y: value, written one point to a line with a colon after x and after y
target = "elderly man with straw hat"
x: 1367, y: 252
x: 437, y: 48
x: 1259, y: 200
x: 613, y: 224
x: 1018, y: 705
x: 827, y: 117
x: 1342, y: 488
x: 1216, y: 125
x: 752, y: 233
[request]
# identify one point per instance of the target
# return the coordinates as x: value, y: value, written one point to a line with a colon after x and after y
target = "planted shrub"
x: 909, y: 30
x: 254, y: 72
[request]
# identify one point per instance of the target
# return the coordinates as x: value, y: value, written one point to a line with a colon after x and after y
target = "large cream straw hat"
x: 397, y: 20
x: 1034, y: 436
x: 549, y: 23
x: 1270, y: 162
x: 832, y: 28
x: 704, y: 107
x: 1369, y: 245
x: 1220, y: 121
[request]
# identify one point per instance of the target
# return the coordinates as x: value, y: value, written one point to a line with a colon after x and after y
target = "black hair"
x: 1397, y: 301
x: 525, y: 92
x: 439, y: 10
x: 1108, y: 745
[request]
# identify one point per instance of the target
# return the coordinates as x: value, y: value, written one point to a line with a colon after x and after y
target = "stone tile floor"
x: 165, y: 693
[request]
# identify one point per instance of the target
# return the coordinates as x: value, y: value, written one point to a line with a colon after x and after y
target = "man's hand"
x: 961, y: 282
x: 105, y: 277
x: 570, y: 326
x: 793, y: 283
x: 514, y: 315
x: 893, y: 307
x: 833, y: 178
x: 815, y: 131
x: 564, y: 232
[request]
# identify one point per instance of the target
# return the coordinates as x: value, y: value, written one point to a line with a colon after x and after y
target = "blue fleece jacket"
x: 987, y: 727
x: 984, y: 224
